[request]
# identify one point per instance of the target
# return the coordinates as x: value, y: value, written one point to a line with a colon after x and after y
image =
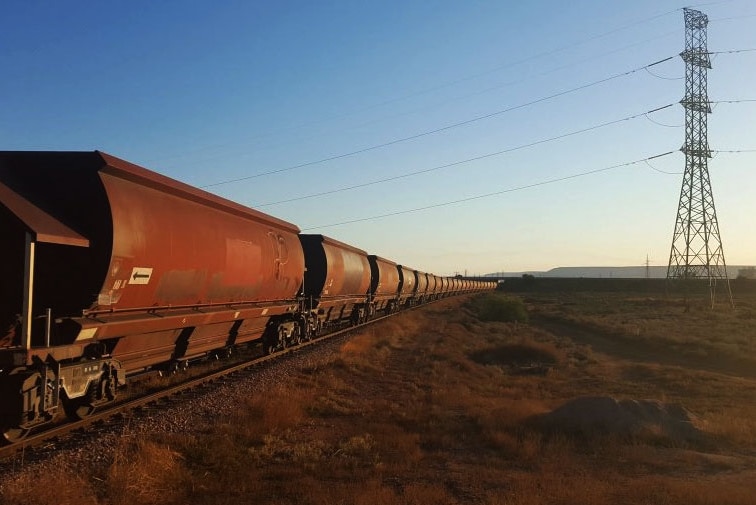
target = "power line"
x: 495, y: 193
x: 441, y: 129
x: 462, y: 79
x: 527, y: 78
x: 733, y: 51
x: 731, y: 18
x: 733, y: 101
x: 661, y: 171
x: 713, y: 152
x: 468, y: 160
x: 665, y: 78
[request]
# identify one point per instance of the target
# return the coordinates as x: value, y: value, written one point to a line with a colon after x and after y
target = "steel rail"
x: 56, y: 431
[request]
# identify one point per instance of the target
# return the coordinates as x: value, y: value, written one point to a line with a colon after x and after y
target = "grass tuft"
x: 497, y: 307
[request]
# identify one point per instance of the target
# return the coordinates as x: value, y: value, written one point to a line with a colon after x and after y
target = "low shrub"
x: 499, y: 308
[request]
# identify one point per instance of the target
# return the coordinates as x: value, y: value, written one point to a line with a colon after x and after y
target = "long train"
x: 109, y: 269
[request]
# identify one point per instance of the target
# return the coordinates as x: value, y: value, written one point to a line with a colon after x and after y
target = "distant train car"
x: 407, y: 285
x: 438, y: 287
x: 384, y: 284
x: 336, y: 281
x: 430, y: 294
x: 444, y: 286
x: 422, y: 286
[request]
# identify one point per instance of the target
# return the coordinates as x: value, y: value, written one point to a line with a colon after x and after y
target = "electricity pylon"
x: 696, y: 245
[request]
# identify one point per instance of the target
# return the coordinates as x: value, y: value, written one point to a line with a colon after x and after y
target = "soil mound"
x: 595, y: 415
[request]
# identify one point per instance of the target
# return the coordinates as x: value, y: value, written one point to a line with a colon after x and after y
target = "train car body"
x: 444, y: 282
x: 422, y: 286
x: 455, y: 285
x: 384, y: 283
x: 432, y: 287
x: 407, y: 285
x: 336, y: 281
x: 135, y: 268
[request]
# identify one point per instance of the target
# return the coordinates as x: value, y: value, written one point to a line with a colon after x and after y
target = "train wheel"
x: 82, y: 407
x: 16, y: 434
x: 296, y: 337
x: 78, y: 408
x: 283, y: 342
x: 269, y: 344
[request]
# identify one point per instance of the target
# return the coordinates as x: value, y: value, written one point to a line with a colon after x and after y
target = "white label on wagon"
x: 140, y: 275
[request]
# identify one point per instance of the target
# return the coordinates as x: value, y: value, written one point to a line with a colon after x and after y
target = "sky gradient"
x: 331, y: 95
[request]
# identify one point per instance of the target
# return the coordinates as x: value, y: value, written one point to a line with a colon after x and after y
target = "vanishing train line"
x: 109, y: 269
x: 124, y: 405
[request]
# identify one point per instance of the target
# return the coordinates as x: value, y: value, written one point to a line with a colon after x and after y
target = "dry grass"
x: 147, y: 473
x: 437, y: 406
x: 47, y: 488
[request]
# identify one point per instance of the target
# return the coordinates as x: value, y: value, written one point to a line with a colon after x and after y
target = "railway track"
x: 158, y: 399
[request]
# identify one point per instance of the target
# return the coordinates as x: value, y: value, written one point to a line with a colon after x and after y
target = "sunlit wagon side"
x: 109, y: 268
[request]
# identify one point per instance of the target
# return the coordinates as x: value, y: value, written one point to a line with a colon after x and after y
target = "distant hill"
x: 637, y: 272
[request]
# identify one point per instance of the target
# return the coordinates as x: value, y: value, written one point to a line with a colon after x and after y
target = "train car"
x: 422, y: 286
x: 439, y: 287
x: 407, y: 285
x: 384, y: 284
x: 444, y: 287
x: 336, y: 282
x: 430, y: 293
x: 109, y: 268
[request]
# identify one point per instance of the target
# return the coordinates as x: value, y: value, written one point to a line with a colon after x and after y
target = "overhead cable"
x: 488, y: 195
x: 461, y: 162
x: 471, y: 77
x: 441, y: 129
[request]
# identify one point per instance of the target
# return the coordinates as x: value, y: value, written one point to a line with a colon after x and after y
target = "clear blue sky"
x: 207, y: 92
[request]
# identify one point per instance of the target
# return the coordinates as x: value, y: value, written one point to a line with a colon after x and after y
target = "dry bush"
x: 498, y: 307
x: 282, y: 448
x: 360, y: 344
x: 277, y: 409
x: 736, y: 425
x: 520, y: 356
x: 147, y: 473
x: 332, y: 404
x: 60, y: 486
x: 399, y: 449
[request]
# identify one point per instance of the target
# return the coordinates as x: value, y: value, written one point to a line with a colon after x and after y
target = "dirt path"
x: 643, y: 350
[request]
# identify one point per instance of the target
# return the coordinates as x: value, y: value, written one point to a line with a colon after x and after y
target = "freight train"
x: 109, y: 269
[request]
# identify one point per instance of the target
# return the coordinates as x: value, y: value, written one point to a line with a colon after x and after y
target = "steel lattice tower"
x: 696, y: 245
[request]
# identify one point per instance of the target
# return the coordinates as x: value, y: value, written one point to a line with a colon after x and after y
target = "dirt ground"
x: 438, y: 406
